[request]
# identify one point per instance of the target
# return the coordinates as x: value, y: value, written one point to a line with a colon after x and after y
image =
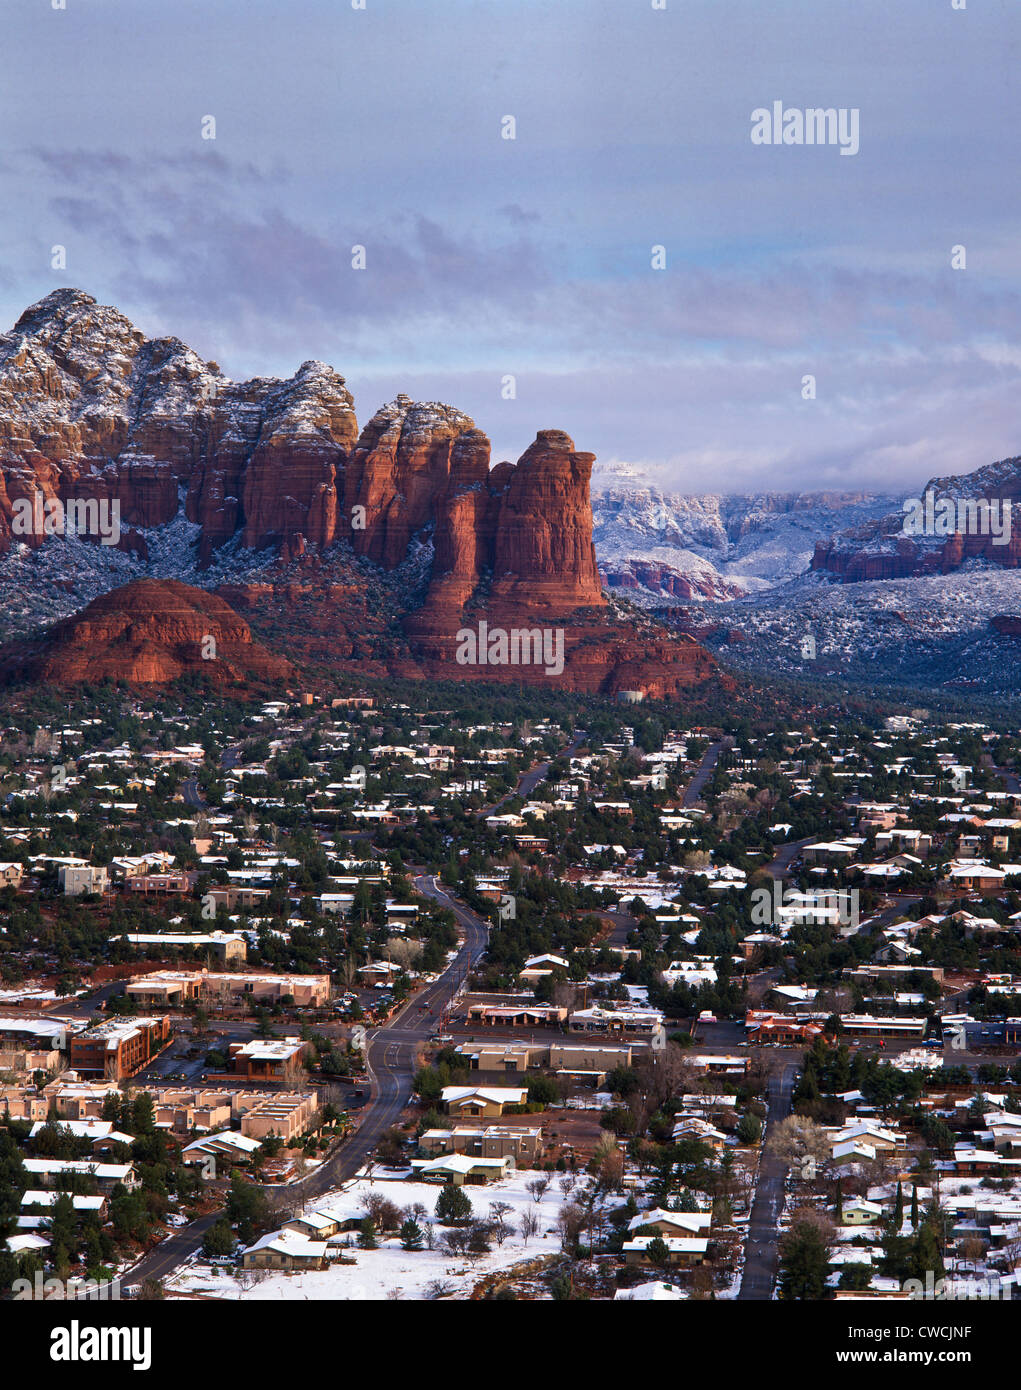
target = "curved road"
x: 392, y: 1061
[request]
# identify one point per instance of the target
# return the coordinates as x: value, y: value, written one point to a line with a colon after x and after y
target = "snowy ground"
x: 378, y: 1272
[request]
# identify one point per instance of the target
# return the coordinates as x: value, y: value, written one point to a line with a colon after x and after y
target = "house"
x: 51, y: 1172
x: 76, y: 879
x: 684, y: 1251
x: 286, y: 1250
x: 653, y: 1292
x: 228, y: 1145
x: 177, y: 883
x: 680, y: 1224
x: 483, y: 1102
x: 48, y: 1197
x: 858, y: 1212
x: 495, y: 1141
x: 314, y: 1225
x: 459, y: 1169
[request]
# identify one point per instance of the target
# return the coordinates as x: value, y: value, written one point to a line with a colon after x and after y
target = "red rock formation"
x: 91, y: 408
x: 513, y: 550
x: 544, y: 556
x: 399, y: 467
x: 147, y: 633
x: 634, y: 573
x: 880, y: 549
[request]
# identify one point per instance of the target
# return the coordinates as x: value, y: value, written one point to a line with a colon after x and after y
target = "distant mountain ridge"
x: 716, y: 546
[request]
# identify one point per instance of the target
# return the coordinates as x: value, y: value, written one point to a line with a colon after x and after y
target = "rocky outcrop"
x: 665, y: 581
x: 147, y: 633
x: 954, y: 528
x: 514, y: 561
x: 90, y: 408
x: 399, y: 468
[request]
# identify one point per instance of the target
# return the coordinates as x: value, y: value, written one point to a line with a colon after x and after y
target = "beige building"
x: 257, y: 1113
x: 287, y: 1250
x: 495, y: 1141
x: 481, y: 1102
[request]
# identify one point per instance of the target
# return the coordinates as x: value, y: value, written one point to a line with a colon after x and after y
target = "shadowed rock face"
x: 92, y: 409
x: 148, y: 633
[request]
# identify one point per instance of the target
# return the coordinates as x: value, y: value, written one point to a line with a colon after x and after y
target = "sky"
x: 532, y: 258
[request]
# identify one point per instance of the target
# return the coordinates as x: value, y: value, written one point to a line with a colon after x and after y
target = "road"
x: 393, y: 1050
x: 761, y: 1245
x: 704, y: 771
x: 779, y: 866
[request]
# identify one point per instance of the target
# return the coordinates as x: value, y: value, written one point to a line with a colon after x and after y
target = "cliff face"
x: 514, y: 555
x: 400, y: 465
x: 954, y: 531
x: 148, y: 633
x: 92, y: 410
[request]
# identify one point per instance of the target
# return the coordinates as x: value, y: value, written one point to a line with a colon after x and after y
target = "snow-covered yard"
x: 379, y: 1272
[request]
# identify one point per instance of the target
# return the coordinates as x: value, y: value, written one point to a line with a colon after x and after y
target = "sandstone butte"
x: 91, y: 408
x: 148, y: 633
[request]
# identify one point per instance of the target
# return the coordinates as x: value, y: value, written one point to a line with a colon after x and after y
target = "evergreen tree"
x: 453, y: 1206
x: 411, y: 1235
x: 804, y: 1264
x: 658, y: 1252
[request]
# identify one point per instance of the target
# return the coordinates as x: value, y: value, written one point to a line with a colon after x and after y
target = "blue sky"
x: 531, y: 257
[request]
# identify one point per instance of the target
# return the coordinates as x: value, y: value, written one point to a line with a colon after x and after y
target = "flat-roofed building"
x: 269, y: 1059
x: 522, y: 1143
x: 119, y: 1048
x: 225, y: 946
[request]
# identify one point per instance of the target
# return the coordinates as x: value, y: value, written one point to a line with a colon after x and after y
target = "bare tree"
x: 529, y: 1225
x: 800, y: 1142
x: 438, y: 1288
x: 571, y: 1221
x: 498, y: 1212
x: 538, y: 1187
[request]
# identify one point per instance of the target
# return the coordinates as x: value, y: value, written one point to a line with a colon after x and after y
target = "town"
x: 443, y: 994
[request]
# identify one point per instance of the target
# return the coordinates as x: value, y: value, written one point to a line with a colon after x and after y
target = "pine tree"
x: 898, y: 1209
x: 839, y: 1204
x: 411, y: 1235
x: 367, y: 1235
x: 453, y: 1206
x: 914, y: 1208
